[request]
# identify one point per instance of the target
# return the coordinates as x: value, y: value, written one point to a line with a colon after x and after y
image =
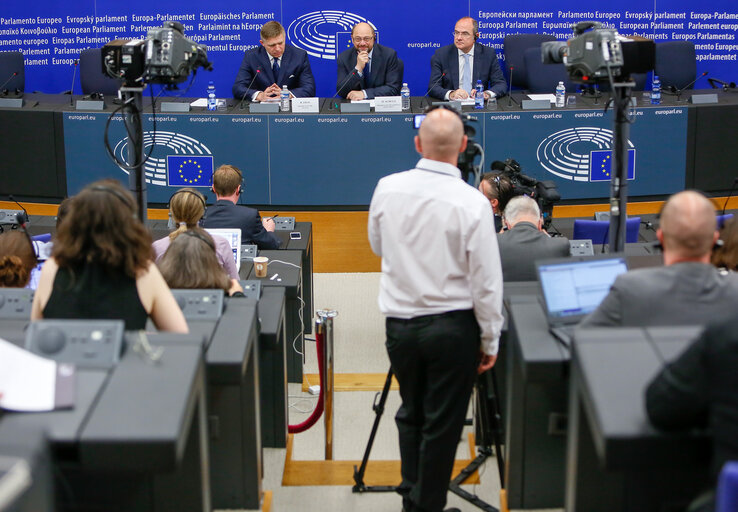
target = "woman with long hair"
x: 17, y: 259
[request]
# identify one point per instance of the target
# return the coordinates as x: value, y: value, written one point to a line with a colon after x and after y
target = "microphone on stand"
x: 2, y: 87
x: 678, y: 92
x: 71, y: 90
x: 723, y: 85
x: 240, y: 103
x: 334, y: 105
x: 509, y: 90
x: 443, y: 73
x: 22, y: 218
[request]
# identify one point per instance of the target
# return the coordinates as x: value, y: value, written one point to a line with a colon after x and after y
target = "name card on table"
x: 388, y: 104
x: 304, y: 105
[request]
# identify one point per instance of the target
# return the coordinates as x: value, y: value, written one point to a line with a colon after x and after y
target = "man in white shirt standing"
x: 441, y: 290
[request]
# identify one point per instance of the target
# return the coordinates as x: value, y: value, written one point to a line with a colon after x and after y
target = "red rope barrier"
x: 315, y: 416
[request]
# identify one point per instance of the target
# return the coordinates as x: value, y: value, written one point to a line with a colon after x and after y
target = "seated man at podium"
x: 368, y: 69
x: 456, y: 68
x: 687, y: 290
x: 265, y: 69
x: 524, y: 242
x: 225, y: 213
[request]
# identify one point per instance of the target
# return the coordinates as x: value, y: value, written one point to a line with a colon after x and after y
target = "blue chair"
x: 514, y: 47
x: 12, y: 62
x: 543, y: 78
x: 91, y: 74
x: 722, y: 219
x: 727, y: 489
x: 45, y: 237
x: 676, y: 63
x: 599, y: 230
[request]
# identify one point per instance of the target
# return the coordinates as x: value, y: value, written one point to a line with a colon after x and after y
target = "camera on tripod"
x: 545, y: 193
x: 599, y: 54
x: 166, y: 57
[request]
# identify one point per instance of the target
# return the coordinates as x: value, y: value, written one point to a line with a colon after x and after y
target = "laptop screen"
x: 234, y: 238
x: 574, y: 287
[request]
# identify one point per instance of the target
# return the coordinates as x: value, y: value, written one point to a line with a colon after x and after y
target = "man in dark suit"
x: 227, y: 182
x: 368, y: 69
x: 264, y: 70
x: 687, y: 289
x: 524, y: 242
x: 456, y: 68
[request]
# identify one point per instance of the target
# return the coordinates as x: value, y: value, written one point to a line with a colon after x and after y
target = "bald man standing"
x: 687, y: 289
x: 441, y: 290
x: 367, y: 69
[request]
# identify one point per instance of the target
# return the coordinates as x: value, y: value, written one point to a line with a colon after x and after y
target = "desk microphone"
x: 345, y: 81
x: 678, y: 92
x: 22, y: 218
x: 71, y: 89
x: 15, y: 73
x: 240, y: 103
x: 509, y: 90
x: 730, y: 194
x: 724, y: 85
x: 443, y: 73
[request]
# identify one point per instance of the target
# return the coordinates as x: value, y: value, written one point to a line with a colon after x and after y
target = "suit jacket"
x: 522, y: 245
x: 698, y: 390
x: 225, y: 214
x: 385, y: 79
x: 679, y: 294
x: 294, y: 72
x: 486, y: 68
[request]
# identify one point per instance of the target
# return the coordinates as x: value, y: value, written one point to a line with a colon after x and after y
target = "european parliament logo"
x: 324, y: 34
x: 189, y: 171
x: 600, y: 165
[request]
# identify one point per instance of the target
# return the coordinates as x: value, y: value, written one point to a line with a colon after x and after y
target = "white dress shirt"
x: 439, y: 252
x: 462, y: 63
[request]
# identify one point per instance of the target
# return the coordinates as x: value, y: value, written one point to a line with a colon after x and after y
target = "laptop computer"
x: 233, y: 235
x: 571, y: 288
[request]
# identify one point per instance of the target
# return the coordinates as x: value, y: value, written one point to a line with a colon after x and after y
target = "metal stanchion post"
x: 324, y: 325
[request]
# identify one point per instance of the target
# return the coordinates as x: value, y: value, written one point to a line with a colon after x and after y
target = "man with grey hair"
x: 524, y: 242
x: 687, y: 289
x: 441, y: 290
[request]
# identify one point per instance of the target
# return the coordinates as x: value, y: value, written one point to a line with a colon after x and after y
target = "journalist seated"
x: 190, y: 262
x: 525, y: 241
x: 726, y: 256
x: 687, y: 290
x: 498, y: 189
x: 17, y: 259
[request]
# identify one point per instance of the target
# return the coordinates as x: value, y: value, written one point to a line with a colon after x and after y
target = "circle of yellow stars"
x: 606, y: 172
x: 199, y: 171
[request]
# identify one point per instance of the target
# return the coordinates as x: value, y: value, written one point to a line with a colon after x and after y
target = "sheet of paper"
x: 200, y: 102
x: 27, y: 381
x: 549, y: 97
x: 467, y: 101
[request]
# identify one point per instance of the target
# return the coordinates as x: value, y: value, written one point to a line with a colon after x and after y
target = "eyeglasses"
x: 363, y: 39
x: 461, y: 34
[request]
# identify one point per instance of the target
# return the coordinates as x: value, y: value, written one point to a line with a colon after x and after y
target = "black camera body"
x: 166, y: 56
x: 595, y: 55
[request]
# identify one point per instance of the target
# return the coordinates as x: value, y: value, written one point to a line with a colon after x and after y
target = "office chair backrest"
x: 722, y: 219
x: 91, y: 74
x: 514, y: 47
x: 12, y: 62
x: 543, y: 78
x: 676, y: 63
x: 727, y: 490
x: 599, y: 230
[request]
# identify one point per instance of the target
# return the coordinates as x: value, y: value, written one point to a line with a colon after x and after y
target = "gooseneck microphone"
x: 71, y: 89
x: 509, y: 90
x: 334, y: 104
x: 724, y: 85
x: 15, y: 73
x: 678, y: 92
x: 240, y: 103
x: 443, y: 73
x: 22, y: 218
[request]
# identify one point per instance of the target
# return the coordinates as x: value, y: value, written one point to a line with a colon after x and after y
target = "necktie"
x: 466, y: 77
x: 368, y: 74
x: 275, y: 69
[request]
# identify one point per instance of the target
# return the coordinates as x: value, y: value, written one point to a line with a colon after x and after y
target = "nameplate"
x: 702, y: 99
x: 536, y: 104
x: 11, y: 102
x: 305, y: 106
x: 355, y: 108
x: 388, y: 104
x: 264, y: 108
x: 90, y: 105
x: 454, y: 104
x: 174, y: 106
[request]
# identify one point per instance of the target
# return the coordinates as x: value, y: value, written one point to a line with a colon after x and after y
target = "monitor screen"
x: 233, y: 235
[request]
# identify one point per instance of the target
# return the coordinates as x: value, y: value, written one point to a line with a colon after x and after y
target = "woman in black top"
x: 101, y: 266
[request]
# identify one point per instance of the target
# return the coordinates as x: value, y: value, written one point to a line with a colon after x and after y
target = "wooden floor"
x: 340, y: 242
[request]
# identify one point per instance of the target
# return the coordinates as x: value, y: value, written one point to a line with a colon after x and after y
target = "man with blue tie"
x: 368, y: 69
x: 265, y: 69
x: 456, y: 68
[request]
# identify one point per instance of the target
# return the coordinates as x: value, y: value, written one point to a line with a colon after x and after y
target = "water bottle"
x: 285, y: 99
x: 560, y: 95
x: 479, y: 96
x: 656, y: 91
x: 212, y: 100
x: 405, y: 94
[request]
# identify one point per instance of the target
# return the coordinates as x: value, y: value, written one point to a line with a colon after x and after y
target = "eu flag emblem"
x: 189, y: 171
x: 343, y: 41
x: 600, y: 165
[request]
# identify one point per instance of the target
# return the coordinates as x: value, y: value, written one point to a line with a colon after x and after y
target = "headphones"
x: 110, y: 190
x: 22, y: 218
x: 200, y: 236
x: 170, y: 223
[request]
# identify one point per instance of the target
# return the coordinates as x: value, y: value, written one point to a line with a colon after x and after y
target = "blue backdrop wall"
x: 51, y: 34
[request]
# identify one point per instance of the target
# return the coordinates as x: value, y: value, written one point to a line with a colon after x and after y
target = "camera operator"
x: 498, y: 189
x: 525, y: 241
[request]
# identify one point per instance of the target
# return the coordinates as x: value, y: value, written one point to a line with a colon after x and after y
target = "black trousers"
x: 434, y: 359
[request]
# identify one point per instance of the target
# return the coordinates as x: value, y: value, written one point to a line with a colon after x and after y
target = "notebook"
x: 233, y: 235
x: 572, y: 288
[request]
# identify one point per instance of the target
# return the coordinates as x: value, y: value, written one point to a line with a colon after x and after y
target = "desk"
x: 305, y: 245
x: 126, y: 448
x: 616, y: 461
x: 29, y: 445
x: 273, y: 367
x: 290, y: 278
